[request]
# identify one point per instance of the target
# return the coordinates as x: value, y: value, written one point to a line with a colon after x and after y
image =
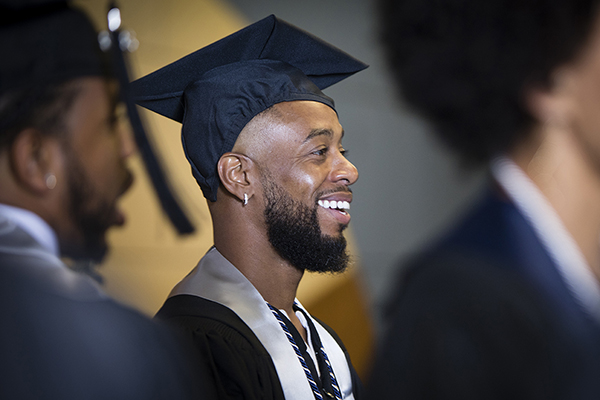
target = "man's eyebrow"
x: 319, y: 132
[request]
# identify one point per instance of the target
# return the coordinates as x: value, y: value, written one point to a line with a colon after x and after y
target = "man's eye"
x: 320, y: 152
x: 118, y: 115
x: 113, y: 120
x: 344, y: 152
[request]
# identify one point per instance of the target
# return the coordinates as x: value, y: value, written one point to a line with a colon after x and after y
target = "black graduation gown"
x: 485, y: 315
x: 241, y: 367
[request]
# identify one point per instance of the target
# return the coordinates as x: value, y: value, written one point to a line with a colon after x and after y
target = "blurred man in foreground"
x: 507, y: 304
x: 62, y: 172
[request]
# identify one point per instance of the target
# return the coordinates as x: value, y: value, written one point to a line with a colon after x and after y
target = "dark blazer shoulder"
x: 483, y: 306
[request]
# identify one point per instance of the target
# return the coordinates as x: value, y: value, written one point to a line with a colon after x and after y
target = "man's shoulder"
x: 185, y: 305
x: 104, y: 348
x: 488, y: 229
x: 201, y: 316
x: 491, y: 259
x: 478, y: 259
x: 450, y: 278
x: 469, y: 303
x: 33, y: 269
x: 73, y: 307
x: 228, y: 347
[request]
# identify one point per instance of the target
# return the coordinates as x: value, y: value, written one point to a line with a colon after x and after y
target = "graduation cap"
x: 215, y: 91
x: 46, y: 42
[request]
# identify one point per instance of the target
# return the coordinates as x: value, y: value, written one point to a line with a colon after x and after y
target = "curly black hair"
x: 464, y: 64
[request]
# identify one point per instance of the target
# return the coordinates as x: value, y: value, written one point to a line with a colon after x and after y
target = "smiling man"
x: 265, y: 146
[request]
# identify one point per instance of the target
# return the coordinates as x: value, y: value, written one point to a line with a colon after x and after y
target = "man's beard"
x: 293, y: 230
x: 90, y: 213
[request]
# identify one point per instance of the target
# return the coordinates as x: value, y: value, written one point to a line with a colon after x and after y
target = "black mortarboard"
x: 46, y: 42
x: 215, y: 91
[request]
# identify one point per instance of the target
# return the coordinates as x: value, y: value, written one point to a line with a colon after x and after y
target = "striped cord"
x: 287, y: 332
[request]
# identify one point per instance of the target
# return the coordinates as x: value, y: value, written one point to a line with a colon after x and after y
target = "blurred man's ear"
x: 552, y: 104
x: 34, y: 159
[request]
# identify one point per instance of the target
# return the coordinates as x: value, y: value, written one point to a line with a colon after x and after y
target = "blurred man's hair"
x: 43, y: 108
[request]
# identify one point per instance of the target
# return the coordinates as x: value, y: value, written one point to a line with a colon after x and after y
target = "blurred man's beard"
x: 293, y: 230
x: 89, y: 211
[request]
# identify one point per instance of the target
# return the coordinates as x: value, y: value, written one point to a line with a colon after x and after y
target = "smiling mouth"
x: 341, y: 206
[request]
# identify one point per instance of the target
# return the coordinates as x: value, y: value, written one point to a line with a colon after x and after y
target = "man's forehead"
x: 100, y: 88
x: 116, y: 97
x: 309, y: 118
x: 296, y: 106
x: 289, y: 124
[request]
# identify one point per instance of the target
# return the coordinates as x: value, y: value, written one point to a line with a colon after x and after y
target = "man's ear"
x: 236, y: 172
x: 33, y: 160
x: 552, y: 105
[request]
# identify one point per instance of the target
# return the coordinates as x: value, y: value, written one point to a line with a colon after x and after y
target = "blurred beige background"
x: 147, y: 258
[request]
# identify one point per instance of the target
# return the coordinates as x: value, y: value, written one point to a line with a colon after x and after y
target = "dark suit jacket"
x: 484, y: 314
x: 62, y: 338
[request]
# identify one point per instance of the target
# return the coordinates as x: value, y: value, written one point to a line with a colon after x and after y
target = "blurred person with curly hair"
x: 506, y: 304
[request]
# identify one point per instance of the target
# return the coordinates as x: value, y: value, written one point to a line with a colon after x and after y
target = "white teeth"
x: 334, y: 205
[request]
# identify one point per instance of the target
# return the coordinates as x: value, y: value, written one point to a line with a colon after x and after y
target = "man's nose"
x: 127, y: 145
x: 344, y: 170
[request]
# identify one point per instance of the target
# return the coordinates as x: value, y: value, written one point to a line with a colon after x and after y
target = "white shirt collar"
x: 34, y: 225
x: 553, y: 235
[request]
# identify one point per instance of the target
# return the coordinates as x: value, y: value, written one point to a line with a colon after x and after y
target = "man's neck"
x: 274, y: 278
x: 250, y: 251
x: 570, y: 180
